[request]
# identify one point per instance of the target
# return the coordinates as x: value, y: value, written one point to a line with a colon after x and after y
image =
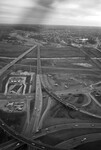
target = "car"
x: 49, y: 75
x: 66, y: 86
x: 56, y: 84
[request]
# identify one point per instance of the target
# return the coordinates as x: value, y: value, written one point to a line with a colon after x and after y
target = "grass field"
x: 67, y: 51
x: 9, y: 50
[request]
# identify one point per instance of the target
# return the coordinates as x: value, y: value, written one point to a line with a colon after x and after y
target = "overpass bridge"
x: 33, y: 125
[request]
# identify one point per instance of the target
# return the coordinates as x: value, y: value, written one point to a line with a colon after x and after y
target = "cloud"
x: 66, y: 12
x: 25, y: 11
x: 77, y: 12
x: 21, y: 11
x: 11, y: 11
x: 41, y: 10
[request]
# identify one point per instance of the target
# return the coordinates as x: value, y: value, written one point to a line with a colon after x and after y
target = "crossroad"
x: 16, y: 60
x: 33, y: 124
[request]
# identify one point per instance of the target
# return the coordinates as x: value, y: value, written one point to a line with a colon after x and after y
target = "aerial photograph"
x: 50, y: 75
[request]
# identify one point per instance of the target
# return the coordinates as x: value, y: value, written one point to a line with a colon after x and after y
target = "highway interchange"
x: 32, y: 127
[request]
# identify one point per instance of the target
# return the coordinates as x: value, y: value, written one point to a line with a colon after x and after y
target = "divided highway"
x: 33, y: 124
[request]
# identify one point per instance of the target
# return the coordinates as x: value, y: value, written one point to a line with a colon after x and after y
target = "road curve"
x: 74, y: 142
x: 77, y: 125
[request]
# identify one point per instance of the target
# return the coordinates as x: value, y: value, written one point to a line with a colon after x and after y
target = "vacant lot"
x: 53, y: 52
x: 61, y: 52
x: 9, y: 50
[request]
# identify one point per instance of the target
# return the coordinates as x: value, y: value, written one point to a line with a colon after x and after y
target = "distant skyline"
x: 55, y: 12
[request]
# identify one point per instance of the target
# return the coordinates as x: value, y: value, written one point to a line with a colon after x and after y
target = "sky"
x: 56, y: 12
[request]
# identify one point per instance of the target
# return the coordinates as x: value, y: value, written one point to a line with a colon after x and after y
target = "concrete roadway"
x: 98, y: 49
x: 55, y: 96
x: 70, y: 125
x: 74, y: 142
x: 11, y: 145
x: 22, y: 138
x: 38, y: 98
x: 16, y: 60
x: 34, y: 122
x: 94, y: 99
x: 96, y: 62
x: 54, y: 58
x: 38, y: 105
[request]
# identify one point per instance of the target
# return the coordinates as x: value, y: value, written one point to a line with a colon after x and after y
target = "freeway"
x: 98, y: 49
x: 16, y: 60
x: 49, y: 103
x: 88, y: 53
x: 73, y: 142
x: 11, y: 145
x: 38, y: 96
x: 94, y: 99
x: 54, y: 58
x: 76, y: 125
x: 33, y: 125
x: 67, y: 104
x: 5, y: 127
x: 47, y: 131
x: 24, y: 139
x: 18, y: 136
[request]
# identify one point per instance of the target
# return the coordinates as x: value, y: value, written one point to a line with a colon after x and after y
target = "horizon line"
x: 11, y: 24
